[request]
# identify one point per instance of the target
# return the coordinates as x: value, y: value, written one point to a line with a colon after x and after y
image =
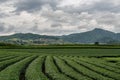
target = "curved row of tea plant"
x: 13, y: 72
x: 34, y: 67
x: 69, y: 70
x: 86, y: 71
x: 101, y: 64
x: 99, y: 70
x: 9, y: 62
x: 34, y: 70
x: 52, y: 71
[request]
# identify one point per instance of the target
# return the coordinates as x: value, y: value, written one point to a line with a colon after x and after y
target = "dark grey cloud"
x: 34, y: 5
x: 2, y: 28
x: 6, y: 28
x: 35, y: 28
x: 10, y: 29
x: 56, y: 25
x: 109, y: 19
x: 105, y: 6
x: 2, y: 1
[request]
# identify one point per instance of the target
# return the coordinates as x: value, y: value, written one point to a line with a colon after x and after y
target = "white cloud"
x: 77, y: 3
x: 55, y: 17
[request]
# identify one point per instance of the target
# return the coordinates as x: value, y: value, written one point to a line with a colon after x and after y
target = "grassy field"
x: 59, y: 62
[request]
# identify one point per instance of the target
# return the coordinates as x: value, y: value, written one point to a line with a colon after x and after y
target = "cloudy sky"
x: 58, y: 17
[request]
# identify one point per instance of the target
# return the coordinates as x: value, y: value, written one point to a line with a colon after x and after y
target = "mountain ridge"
x: 95, y: 35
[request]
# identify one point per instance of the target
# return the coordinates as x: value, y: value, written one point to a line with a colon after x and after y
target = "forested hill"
x: 96, y: 35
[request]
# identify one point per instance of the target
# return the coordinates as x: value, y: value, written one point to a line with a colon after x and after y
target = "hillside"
x: 29, y: 38
x: 96, y: 35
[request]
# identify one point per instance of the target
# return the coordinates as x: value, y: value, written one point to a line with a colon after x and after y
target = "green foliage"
x: 69, y: 70
x: 85, y: 71
x: 52, y: 71
x: 101, y: 64
x: 8, y: 62
x: 59, y: 64
x: 13, y: 72
x: 34, y: 71
x: 59, y: 46
x: 5, y: 44
x: 100, y: 70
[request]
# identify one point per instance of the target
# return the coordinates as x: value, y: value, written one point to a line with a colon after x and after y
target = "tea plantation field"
x: 60, y: 64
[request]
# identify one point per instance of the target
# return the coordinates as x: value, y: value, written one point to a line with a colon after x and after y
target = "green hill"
x: 96, y: 35
x: 30, y: 38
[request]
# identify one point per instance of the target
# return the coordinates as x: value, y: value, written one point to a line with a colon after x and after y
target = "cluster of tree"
x: 5, y: 44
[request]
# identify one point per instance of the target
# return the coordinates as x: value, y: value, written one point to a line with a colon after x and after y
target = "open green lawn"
x: 60, y: 64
